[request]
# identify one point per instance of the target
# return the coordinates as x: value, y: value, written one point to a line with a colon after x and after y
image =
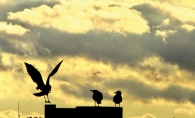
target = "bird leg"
x: 95, y: 103
x: 48, y: 99
x: 119, y: 104
x: 115, y: 104
x: 45, y: 99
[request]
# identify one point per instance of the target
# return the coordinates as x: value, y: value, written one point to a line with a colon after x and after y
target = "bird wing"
x: 55, y: 69
x: 39, y: 94
x: 35, y: 75
x: 99, y: 97
x: 117, y: 99
x: 53, y: 72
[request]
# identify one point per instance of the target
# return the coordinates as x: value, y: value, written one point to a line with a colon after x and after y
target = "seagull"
x: 97, y: 96
x: 37, y: 78
x: 117, y: 98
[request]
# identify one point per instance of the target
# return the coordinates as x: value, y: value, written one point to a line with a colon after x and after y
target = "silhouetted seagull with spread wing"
x: 97, y: 96
x: 37, y: 78
x: 117, y: 98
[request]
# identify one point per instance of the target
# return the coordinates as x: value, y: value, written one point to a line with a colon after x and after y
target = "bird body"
x: 97, y: 96
x: 37, y: 78
x: 117, y: 98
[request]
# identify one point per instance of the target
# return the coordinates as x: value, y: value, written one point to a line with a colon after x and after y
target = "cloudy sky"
x: 145, y: 48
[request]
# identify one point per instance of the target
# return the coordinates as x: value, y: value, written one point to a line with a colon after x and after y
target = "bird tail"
x: 38, y: 94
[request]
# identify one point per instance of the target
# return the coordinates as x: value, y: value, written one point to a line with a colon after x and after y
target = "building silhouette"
x: 34, y: 117
x: 83, y: 112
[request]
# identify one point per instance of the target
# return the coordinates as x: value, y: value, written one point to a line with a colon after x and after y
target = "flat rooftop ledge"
x: 54, y: 105
x: 99, y: 106
x: 83, y: 112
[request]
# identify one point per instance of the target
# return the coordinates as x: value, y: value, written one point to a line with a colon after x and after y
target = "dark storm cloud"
x: 118, y: 49
x: 12, y: 44
x: 4, y: 8
x: 98, y: 45
x: 145, y: 92
x: 9, y: 47
x: 115, y: 48
x: 155, y: 16
x: 180, y: 49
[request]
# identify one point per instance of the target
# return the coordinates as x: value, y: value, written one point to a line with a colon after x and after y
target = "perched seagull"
x: 97, y: 96
x: 117, y: 98
x: 37, y: 78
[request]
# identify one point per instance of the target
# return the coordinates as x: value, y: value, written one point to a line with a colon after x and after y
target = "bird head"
x: 94, y: 91
x: 118, y: 92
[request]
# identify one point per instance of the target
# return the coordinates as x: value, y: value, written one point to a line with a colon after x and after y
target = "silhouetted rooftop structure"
x: 83, y: 112
x: 34, y: 117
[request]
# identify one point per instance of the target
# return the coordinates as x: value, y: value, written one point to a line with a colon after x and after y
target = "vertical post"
x: 18, y: 111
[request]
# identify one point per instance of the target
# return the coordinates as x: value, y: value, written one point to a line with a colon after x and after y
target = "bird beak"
x: 91, y: 90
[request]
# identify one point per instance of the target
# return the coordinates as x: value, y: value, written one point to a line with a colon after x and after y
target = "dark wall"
x: 83, y: 112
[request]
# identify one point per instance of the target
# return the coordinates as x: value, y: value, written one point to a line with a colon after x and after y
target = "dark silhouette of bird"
x: 37, y: 78
x: 97, y: 96
x: 117, y: 98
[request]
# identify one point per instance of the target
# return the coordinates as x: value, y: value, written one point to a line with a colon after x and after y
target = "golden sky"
x: 145, y: 48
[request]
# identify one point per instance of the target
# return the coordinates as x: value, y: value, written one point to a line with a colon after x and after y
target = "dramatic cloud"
x: 143, y: 48
x: 81, y: 18
x: 165, y: 32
